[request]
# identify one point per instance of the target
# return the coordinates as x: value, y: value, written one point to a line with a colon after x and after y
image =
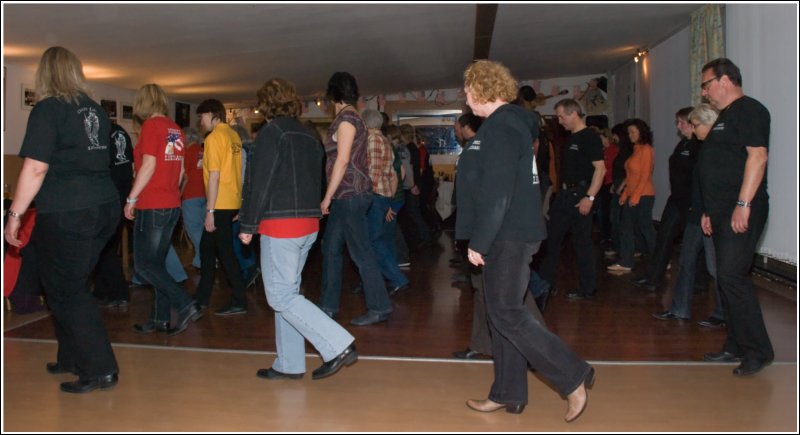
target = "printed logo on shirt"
x: 120, y: 143
x: 574, y: 147
x: 91, y: 123
x: 476, y: 146
x: 719, y: 127
x: 686, y: 153
x: 174, y: 145
x: 535, y: 171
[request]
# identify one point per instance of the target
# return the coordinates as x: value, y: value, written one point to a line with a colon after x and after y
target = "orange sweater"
x: 639, y: 170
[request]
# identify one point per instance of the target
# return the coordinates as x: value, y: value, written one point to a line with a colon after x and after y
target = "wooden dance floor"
x: 650, y: 374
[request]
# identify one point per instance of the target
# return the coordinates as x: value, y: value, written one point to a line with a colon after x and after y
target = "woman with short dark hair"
x: 346, y: 200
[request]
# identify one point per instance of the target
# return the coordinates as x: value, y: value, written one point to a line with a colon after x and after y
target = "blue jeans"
x: 638, y: 218
x: 296, y: 318
x: 172, y: 263
x: 537, y: 286
x: 152, y: 233
x: 194, y: 214
x: 694, y: 241
x: 347, y: 223
x: 381, y: 236
x: 518, y: 338
x: 244, y: 254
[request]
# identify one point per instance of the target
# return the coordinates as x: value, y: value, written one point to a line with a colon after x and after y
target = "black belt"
x: 573, y: 185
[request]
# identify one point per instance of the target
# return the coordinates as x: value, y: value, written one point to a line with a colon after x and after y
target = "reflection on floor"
x: 180, y: 390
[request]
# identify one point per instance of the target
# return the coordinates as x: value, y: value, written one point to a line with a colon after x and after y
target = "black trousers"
x: 109, y: 279
x: 747, y: 335
x: 564, y: 217
x: 220, y: 244
x: 68, y: 245
x: 673, y: 221
x: 518, y: 338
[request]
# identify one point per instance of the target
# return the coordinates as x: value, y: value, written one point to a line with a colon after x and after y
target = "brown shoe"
x: 491, y: 406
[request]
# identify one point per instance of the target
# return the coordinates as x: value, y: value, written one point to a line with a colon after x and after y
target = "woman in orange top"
x: 638, y: 197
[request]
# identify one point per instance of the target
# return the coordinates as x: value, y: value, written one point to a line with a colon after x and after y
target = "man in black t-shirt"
x: 732, y: 169
x: 583, y: 169
x: 110, y: 286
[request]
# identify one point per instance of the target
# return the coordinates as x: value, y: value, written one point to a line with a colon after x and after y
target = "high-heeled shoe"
x: 492, y: 406
x: 578, y: 399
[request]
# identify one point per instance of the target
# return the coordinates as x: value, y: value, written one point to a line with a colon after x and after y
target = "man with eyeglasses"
x: 732, y: 169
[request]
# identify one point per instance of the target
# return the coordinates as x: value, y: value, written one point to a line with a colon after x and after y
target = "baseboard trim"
x: 775, y: 269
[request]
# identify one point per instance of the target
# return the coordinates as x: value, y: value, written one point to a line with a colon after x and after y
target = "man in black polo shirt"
x: 583, y: 169
x: 732, y: 169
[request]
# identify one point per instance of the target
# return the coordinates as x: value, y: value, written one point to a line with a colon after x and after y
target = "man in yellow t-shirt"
x: 222, y: 176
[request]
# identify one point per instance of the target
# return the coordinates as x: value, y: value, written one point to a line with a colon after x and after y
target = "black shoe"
x: 273, y: 374
x: 645, y: 284
x: 230, y: 310
x: 578, y: 295
x: 151, y: 327
x: 751, y: 366
x: 666, y: 315
x: 346, y: 358
x: 112, y: 303
x: 397, y: 289
x: 328, y: 313
x: 721, y: 357
x: 369, y: 319
x: 90, y: 384
x: 55, y: 368
x: 184, y: 316
x: 712, y: 322
x: 466, y: 354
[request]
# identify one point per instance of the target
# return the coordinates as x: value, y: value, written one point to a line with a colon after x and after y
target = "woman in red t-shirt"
x: 193, y: 198
x: 158, y: 158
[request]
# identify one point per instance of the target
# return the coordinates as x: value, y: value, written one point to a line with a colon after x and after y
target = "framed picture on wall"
x: 28, y: 97
x: 111, y: 107
x: 182, y: 113
x: 127, y: 111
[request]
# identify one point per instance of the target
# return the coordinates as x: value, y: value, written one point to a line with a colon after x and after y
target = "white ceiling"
x: 227, y: 51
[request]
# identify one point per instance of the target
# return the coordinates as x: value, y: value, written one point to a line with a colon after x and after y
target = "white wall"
x: 762, y: 41
x: 16, y: 118
x: 668, y: 70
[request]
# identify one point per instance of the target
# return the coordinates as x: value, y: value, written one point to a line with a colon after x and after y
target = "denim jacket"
x: 283, y: 178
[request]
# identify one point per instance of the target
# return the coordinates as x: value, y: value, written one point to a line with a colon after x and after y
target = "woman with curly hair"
x: 500, y: 213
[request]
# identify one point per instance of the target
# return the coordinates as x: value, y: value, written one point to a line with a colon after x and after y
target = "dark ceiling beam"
x: 484, y: 26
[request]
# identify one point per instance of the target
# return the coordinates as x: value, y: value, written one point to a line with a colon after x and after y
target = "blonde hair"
x: 60, y: 75
x: 489, y: 81
x: 150, y: 100
x: 704, y: 114
x: 278, y: 97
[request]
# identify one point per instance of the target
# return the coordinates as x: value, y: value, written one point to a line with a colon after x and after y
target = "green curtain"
x: 706, y: 42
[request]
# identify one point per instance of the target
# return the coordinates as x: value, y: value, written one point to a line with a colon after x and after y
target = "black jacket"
x: 498, y: 196
x: 282, y: 178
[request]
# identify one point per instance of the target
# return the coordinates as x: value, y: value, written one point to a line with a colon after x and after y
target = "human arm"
x: 345, y: 135
x: 585, y: 204
x: 754, y: 169
x: 143, y: 176
x: 29, y: 182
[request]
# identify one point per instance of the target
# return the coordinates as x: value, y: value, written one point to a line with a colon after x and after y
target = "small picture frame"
x: 127, y: 111
x: 110, y: 107
x: 28, y: 97
x: 182, y: 114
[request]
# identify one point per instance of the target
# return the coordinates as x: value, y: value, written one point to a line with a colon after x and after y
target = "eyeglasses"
x: 705, y: 85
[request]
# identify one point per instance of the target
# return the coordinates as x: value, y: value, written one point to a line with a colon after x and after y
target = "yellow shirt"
x: 223, y: 153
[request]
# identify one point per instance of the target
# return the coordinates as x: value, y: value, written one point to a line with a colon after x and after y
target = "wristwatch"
x: 591, y: 197
x: 743, y: 203
x: 211, y: 210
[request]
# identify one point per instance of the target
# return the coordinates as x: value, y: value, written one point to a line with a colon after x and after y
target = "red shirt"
x: 288, y: 228
x: 163, y: 139
x: 609, y: 154
x: 193, y: 166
